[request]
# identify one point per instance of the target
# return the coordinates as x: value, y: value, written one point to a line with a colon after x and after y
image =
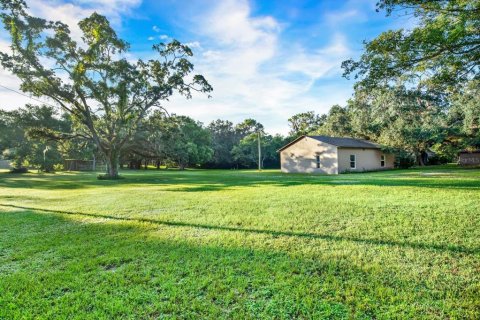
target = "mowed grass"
x: 241, y: 244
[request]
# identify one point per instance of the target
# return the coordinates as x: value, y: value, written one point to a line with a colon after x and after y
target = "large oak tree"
x: 105, y: 92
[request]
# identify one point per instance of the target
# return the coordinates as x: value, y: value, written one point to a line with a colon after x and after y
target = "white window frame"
x: 317, y: 160
x: 354, y: 161
x: 382, y: 161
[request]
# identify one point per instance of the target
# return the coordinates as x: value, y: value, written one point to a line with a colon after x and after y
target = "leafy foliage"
x: 305, y: 123
x: 245, y: 153
x: 105, y: 93
x: 442, y: 52
x: 465, y: 113
x: 187, y: 142
x: 402, y: 118
x: 337, y: 123
x: 224, y: 138
x: 17, y: 143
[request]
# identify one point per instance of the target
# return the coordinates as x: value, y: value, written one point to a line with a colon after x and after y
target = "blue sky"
x: 266, y: 60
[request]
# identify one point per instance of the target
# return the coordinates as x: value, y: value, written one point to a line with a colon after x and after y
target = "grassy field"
x: 241, y: 244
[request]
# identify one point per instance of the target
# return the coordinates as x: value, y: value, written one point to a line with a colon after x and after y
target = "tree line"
x: 29, y: 137
x: 416, y: 91
x: 412, y: 123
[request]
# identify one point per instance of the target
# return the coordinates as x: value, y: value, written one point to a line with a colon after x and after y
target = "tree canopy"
x: 304, y: 123
x: 442, y: 52
x: 17, y: 143
x: 107, y: 94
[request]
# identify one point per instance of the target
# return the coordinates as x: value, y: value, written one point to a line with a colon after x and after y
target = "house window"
x: 353, y: 161
x: 318, y: 162
x: 382, y: 160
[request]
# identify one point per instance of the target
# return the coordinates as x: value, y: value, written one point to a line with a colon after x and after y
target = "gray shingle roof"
x: 339, y: 142
x: 347, y: 142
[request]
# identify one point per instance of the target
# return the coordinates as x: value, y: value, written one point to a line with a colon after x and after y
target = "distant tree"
x: 224, y: 138
x: 245, y: 153
x: 247, y: 127
x: 464, y: 113
x: 103, y: 91
x: 305, y: 123
x: 70, y: 138
x: 441, y: 52
x: 17, y: 143
x: 337, y: 123
x: 407, y: 119
x: 362, y: 119
x: 270, y: 146
x: 185, y: 141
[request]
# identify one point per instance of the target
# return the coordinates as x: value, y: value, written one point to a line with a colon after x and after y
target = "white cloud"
x: 163, y: 37
x: 320, y: 62
x: 342, y: 16
x: 254, y: 74
x: 193, y: 44
x: 156, y: 29
x: 72, y: 12
x: 151, y: 38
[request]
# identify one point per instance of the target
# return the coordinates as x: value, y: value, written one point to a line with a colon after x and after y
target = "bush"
x: 19, y: 170
x: 58, y: 167
x: 404, y: 160
x: 438, y: 159
x: 107, y: 177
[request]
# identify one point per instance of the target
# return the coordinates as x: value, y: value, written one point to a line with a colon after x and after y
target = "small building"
x: 469, y: 158
x: 332, y: 155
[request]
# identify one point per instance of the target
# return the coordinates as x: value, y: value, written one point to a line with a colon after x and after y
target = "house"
x: 332, y: 155
x: 469, y: 158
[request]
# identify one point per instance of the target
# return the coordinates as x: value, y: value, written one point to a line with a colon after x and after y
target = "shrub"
x: 107, y: 177
x: 404, y: 160
x: 19, y: 170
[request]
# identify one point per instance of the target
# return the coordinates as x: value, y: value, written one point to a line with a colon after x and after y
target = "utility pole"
x: 45, y: 158
x: 259, y: 153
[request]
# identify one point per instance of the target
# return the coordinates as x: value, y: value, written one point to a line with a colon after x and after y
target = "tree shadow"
x: 131, y: 272
x: 452, y: 248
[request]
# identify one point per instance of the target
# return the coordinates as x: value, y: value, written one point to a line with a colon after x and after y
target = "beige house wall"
x: 301, y: 157
x: 366, y: 159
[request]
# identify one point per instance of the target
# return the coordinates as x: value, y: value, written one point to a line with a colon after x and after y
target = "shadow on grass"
x: 214, y: 180
x: 66, y: 269
x: 406, y: 244
x: 62, y: 268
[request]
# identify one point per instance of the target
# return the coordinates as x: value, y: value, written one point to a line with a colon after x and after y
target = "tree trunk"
x: 419, y: 157
x: 112, y: 165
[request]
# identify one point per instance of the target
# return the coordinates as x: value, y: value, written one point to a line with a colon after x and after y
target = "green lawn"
x: 241, y: 244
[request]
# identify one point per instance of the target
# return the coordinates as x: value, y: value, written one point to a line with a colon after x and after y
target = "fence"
x: 83, y: 165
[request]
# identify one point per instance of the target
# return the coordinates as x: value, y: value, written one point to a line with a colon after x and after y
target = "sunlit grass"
x: 241, y: 244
